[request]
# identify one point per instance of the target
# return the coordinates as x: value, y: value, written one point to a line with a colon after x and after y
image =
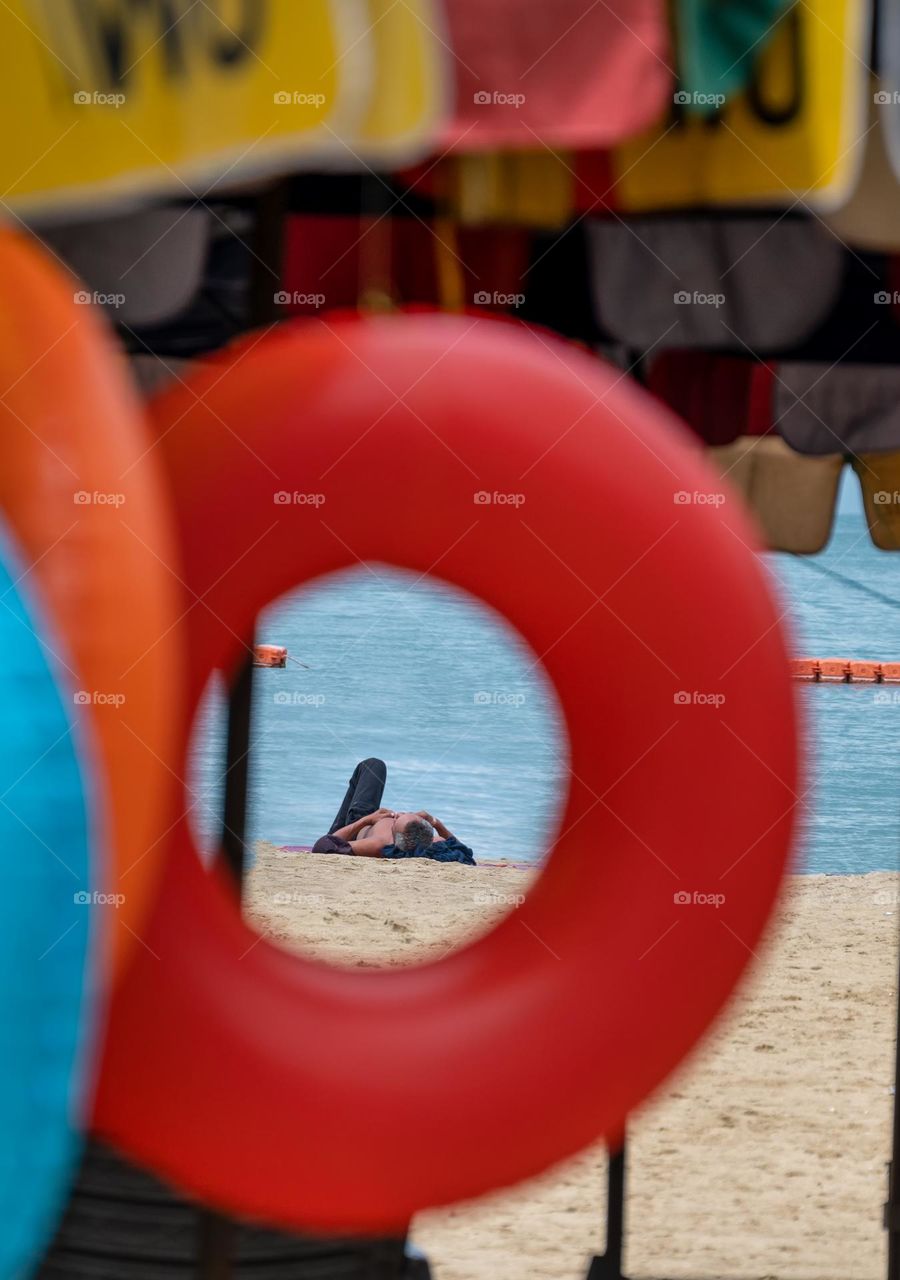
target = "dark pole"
x: 237, y: 775
x: 608, y: 1266
x: 216, y: 1234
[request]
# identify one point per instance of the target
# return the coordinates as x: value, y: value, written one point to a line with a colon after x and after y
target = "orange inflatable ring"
x: 338, y: 1099
x: 82, y: 489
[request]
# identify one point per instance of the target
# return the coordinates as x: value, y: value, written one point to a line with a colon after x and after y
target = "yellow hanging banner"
x: 410, y: 96
x: 794, y: 133
x: 113, y: 98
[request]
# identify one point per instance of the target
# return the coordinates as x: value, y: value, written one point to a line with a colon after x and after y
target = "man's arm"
x: 367, y: 847
x: 354, y: 828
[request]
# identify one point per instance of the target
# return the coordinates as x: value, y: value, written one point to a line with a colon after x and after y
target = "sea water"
x: 850, y: 817
x: 429, y: 680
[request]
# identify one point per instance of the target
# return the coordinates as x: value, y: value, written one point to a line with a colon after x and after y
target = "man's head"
x: 412, y: 832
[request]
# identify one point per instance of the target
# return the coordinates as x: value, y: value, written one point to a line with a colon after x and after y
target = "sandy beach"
x: 764, y: 1157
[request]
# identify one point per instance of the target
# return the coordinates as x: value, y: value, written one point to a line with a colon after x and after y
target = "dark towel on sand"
x: 451, y: 850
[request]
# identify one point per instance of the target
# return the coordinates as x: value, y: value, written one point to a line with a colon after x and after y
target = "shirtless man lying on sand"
x: 365, y: 830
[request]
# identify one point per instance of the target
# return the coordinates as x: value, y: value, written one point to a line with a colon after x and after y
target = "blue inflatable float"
x: 48, y: 919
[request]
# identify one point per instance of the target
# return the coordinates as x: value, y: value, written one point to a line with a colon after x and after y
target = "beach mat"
x: 479, y: 862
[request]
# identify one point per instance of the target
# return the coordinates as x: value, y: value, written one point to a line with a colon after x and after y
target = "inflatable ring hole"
x: 435, y: 683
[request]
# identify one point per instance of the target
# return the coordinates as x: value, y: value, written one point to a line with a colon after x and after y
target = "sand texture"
x: 764, y: 1157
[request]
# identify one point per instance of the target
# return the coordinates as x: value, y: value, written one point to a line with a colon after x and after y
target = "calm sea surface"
x: 439, y: 688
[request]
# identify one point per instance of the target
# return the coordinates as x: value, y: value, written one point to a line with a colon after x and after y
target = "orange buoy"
x: 84, y: 492
x: 869, y: 672
x: 834, y: 670
x: 844, y: 670
x: 804, y: 668
x: 269, y: 655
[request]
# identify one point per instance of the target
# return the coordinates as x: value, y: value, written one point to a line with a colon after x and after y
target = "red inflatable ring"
x: 536, y: 478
